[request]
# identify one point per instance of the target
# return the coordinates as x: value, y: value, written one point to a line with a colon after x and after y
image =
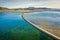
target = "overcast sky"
x: 30, y: 3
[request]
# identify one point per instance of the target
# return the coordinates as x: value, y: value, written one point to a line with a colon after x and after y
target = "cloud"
x: 31, y: 3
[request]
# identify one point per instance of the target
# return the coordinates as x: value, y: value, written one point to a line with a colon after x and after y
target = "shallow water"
x: 13, y: 27
x: 46, y: 16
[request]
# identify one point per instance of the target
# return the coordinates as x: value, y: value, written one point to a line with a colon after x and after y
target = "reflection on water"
x: 48, y: 20
x: 13, y: 27
x: 52, y: 17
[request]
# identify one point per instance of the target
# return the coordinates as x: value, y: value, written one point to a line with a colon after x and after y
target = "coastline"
x: 22, y: 11
x: 50, y: 34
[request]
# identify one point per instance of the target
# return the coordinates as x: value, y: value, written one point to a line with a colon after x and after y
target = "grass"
x: 22, y: 11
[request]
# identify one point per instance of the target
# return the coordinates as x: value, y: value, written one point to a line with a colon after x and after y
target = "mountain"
x: 41, y: 9
x: 3, y: 8
x: 33, y: 9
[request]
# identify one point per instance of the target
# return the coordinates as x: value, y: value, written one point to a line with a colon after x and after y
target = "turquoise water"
x: 13, y: 27
x: 47, y: 16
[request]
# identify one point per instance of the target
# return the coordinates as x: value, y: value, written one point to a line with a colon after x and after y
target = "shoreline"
x: 21, y: 11
x: 50, y: 34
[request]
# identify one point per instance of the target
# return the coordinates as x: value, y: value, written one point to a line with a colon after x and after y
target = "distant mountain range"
x: 3, y: 8
x: 31, y: 8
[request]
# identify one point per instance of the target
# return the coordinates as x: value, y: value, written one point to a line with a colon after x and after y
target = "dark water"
x: 47, y: 16
x: 13, y: 27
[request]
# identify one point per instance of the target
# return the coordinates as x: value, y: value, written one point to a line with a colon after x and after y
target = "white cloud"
x: 31, y: 3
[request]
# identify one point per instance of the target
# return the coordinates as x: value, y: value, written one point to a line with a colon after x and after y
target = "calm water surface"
x: 46, y: 16
x: 14, y: 27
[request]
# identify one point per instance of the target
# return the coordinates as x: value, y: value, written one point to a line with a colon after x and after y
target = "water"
x: 14, y: 27
x: 46, y: 16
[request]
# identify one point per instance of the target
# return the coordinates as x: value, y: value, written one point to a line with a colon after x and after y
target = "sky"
x: 30, y: 3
